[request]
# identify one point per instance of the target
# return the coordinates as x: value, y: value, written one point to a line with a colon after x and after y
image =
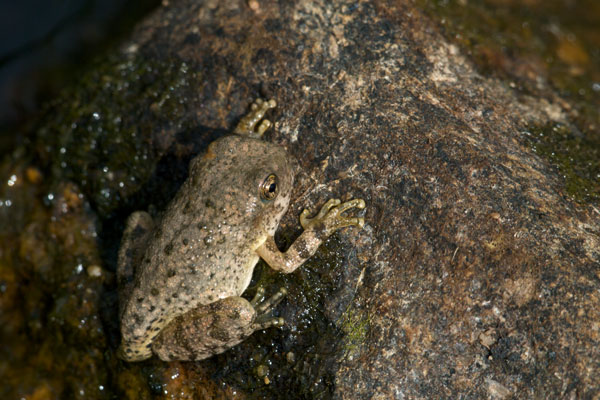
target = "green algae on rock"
x: 576, y: 156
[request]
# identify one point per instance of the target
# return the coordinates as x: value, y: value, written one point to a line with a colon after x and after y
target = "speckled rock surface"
x: 475, y: 276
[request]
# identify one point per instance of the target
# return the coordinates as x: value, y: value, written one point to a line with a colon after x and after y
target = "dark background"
x: 45, y: 43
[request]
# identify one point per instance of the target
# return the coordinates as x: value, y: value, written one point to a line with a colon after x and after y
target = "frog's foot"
x: 331, y: 217
x: 248, y: 124
x: 264, y: 307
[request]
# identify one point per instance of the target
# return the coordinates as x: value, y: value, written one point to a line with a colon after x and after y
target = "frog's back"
x: 197, y: 256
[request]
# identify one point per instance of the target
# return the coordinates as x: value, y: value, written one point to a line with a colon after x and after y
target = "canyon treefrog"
x: 180, y: 280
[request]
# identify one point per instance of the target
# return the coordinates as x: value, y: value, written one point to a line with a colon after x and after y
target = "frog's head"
x: 249, y: 178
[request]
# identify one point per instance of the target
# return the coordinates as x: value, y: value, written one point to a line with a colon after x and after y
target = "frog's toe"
x: 354, y: 203
x: 260, y: 104
x: 308, y: 222
x: 330, y: 218
x: 271, y: 302
x: 264, y: 307
x: 264, y: 125
x: 260, y: 325
x: 248, y: 124
x: 258, y: 297
x: 343, y: 222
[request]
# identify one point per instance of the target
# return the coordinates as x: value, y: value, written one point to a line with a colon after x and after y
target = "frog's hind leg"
x: 138, y: 228
x: 214, y: 328
x: 251, y: 124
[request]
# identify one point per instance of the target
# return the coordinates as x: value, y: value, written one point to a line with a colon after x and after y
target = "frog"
x: 181, y: 278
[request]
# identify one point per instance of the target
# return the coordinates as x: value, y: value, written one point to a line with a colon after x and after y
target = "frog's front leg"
x: 249, y: 124
x: 214, y: 328
x: 316, y: 230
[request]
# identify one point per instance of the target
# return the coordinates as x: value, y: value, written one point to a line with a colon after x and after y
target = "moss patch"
x: 576, y: 156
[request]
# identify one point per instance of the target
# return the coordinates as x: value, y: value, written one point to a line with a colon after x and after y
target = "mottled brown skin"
x: 180, y: 281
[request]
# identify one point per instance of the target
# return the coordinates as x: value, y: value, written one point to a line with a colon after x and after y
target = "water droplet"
x: 12, y: 180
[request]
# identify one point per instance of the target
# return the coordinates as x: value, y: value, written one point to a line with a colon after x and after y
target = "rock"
x: 476, y: 275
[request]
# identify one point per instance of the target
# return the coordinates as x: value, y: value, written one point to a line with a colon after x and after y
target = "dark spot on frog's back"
x: 234, y: 314
x: 171, y: 273
x: 154, y: 291
x: 209, y: 203
x: 168, y: 249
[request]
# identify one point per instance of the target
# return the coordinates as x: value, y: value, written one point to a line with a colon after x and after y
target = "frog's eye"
x: 268, y: 189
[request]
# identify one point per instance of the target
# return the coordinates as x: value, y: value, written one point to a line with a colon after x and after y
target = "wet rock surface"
x: 476, y: 275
